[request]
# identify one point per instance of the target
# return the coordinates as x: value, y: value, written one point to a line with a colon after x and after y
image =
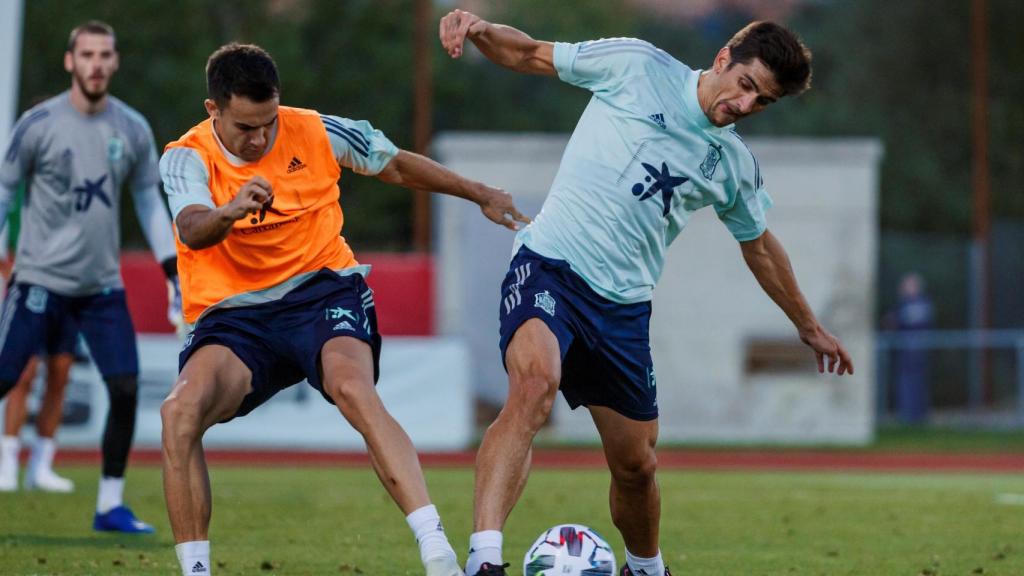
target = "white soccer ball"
x: 569, y: 550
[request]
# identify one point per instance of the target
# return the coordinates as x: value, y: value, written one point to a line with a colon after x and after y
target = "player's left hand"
x: 174, y: 312
x: 454, y: 28
x: 826, y: 345
x: 497, y: 206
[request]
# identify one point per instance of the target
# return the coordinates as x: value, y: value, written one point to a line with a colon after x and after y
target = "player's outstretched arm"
x: 768, y: 260
x: 501, y: 44
x: 421, y: 173
x: 201, y: 227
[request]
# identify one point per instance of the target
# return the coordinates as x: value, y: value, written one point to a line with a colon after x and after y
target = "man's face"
x: 737, y: 90
x: 244, y: 126
x: 91, y: 62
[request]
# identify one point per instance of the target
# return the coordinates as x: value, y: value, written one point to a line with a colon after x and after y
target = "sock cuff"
x: 192, y: 548
x: 44, y: 442
x: 631, y: 556
x: 423, y: 515
x: 485, y: 539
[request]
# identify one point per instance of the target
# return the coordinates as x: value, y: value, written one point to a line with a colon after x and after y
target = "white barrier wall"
x: 729, y: 365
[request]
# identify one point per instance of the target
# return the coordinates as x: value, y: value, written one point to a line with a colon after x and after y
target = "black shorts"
x: 280, y: 341
x: 605, y: 346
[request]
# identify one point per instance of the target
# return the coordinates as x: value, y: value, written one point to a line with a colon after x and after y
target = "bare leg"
x: 634, y: 496
x: 209, y: 389
x: 347, y: 365
x: 503, y: 460
x: 16, y: 411
x: 57, y: 372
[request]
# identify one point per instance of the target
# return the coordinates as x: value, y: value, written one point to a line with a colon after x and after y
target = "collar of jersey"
x: 692, y: 105
x: 235, y: 160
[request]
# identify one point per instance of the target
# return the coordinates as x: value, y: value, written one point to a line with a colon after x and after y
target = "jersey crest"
x: 711, y: 160
x: 545, y: 302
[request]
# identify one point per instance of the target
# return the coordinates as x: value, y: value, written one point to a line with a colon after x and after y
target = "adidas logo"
x: 198, y: 568
x: 343, y: 325
x: 659, y: 119
x: 295, y: 165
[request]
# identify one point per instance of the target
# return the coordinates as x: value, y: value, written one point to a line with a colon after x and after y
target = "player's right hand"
x: 828, y: 347
x: 454, y: 28
x: 250, y: 198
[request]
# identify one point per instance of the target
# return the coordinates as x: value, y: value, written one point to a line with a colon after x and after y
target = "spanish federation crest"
x: 545, y: 302
x: 711, y: 160
x: 115, y: 149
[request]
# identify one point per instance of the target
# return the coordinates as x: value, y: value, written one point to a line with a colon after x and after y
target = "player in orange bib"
x: 273, y: 291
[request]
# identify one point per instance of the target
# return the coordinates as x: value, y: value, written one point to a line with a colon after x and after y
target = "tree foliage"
x: 899, y: 71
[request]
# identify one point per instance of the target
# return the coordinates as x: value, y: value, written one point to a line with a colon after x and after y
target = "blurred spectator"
x: 913, y: 313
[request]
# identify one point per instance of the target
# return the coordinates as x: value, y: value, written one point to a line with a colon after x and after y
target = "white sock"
x: 425, y: 524
x: 646, y: 566
x: 484, y: 546
x: 194, y: 558
x: 10, y: 446
x: 42, y: 455
x: 111, y: 494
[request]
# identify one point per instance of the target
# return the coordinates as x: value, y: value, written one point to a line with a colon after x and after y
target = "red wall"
x: 403, y: 290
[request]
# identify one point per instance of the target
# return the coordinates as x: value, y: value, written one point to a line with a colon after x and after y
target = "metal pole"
x: 11, y: 12
x: 423, y: 90
x: 980, y: 183
x: 1020, y: 382
x: 884, y: 351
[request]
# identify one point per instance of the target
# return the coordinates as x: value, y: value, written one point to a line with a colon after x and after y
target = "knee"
x: 635, y: 471
x: 352, y: 394
x: 180, y: 418
x: 531, y: 398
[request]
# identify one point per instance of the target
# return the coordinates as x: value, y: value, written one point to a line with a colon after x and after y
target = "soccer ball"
x: 569, y: 550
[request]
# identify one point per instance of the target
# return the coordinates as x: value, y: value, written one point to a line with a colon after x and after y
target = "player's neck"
x: 703, y: 98
x: 85, y: 105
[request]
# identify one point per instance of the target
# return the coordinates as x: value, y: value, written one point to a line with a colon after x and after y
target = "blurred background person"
x: 60, y: 355
x: 74, y: 152
x: 39, y: 474
x: 914, y: 312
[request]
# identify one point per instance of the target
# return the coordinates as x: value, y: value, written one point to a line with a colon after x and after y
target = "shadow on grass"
x: 106, y: 541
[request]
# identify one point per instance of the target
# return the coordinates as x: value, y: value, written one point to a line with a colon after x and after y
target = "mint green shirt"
x: 641, y: 160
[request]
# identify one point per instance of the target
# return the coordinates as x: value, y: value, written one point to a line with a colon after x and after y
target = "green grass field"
x: 339, y: 521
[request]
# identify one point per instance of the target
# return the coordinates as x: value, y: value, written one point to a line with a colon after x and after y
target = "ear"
x: 69, y: 62
x: 211, y: 108
x: 117, y: 62
x: 722, y: 60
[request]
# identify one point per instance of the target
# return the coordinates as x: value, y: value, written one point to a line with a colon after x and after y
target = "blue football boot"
x: 120, y: 519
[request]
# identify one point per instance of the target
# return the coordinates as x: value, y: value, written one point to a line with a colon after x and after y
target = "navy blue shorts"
x: 280, y: 341
x: 35, y: 319
x: 605, y: 346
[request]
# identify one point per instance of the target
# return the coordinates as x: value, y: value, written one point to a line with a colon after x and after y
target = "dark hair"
x: 90, y: 27
x: 781, y: 50
x: 241, y: 70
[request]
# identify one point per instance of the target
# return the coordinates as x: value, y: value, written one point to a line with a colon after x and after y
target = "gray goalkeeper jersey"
x: 74, y: 167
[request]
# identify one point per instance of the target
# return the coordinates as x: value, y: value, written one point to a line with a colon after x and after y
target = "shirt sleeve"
x: 145, y: 173
x: 358, y: 145
x: 152, y: 215
x: 6, y: 197
x: 605, y: 65
x: 21, y: 149
x: 746, y: 216
x: 185, y: 179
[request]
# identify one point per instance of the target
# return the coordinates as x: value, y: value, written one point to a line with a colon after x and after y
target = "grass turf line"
x: 340, y: 521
